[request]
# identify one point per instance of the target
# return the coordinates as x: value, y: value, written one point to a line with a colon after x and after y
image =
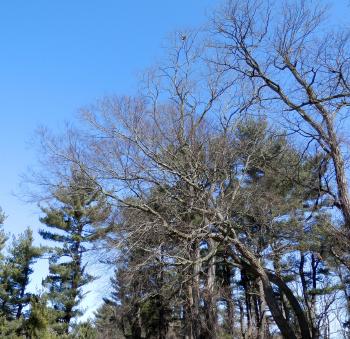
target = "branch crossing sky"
x: 59, y: 55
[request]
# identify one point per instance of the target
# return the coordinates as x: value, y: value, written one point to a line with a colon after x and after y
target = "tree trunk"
x: 194, y: 323
x: 210, y: 297
x: 262, y: 313
x: 339, y: 167
x: 270, y: 297
x: 302, y: 320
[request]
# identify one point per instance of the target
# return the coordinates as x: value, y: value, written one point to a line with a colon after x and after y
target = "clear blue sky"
x: 59, y: 55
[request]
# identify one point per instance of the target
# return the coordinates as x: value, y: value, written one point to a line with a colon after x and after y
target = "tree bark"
x: 271, y: 301
x: 210, y: 297
x: 303, y: 323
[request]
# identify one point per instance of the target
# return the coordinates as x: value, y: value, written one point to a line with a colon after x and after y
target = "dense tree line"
x: 76, y: 216
x: 219, y: 193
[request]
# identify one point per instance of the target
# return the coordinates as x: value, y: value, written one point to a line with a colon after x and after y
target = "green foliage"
x: 38, y: 325
x: 80, y: 210
x: 107, y: 321
x: 85, y: 330
x: 15, y: 275
x: 12, y: 329
x: 151, y: 312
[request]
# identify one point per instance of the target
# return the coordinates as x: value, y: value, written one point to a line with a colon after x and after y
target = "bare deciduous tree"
x: 197, y: 183
x: 299, y: 69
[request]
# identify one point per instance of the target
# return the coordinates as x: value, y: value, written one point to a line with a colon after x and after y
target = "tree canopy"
x: 218, y: 194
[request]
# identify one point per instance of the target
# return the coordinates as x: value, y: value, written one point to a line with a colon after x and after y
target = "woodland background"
x: 218, y: 193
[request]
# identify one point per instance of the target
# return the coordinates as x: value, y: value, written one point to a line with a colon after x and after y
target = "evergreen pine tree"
x: 16, y: 269
x: 108, y: 321
x: 75, y: 219
x: 22, y: 255
x: 15, y: 274
x: 39, y: 320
